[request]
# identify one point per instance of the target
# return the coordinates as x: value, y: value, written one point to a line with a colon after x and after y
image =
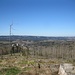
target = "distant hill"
x: 34, y: 38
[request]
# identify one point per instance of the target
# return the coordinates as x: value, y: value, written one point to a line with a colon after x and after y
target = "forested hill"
x: 34, y: 38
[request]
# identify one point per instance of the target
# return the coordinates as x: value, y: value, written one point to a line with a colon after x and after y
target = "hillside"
x: 33, y: 55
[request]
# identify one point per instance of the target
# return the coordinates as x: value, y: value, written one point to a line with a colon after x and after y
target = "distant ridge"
x: 34, y: 38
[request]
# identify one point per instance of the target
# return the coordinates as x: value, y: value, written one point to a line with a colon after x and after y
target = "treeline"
x: 47, y: 49
x: 56, y: 49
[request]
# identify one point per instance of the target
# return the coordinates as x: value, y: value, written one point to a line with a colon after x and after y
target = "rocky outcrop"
x: 66, y: 69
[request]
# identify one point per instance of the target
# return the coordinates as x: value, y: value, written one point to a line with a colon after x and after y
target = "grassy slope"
x: 20, y: 65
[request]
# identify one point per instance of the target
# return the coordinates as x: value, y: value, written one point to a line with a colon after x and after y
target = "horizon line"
x: 37, y: 35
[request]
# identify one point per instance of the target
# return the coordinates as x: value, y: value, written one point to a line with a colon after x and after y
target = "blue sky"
x: 38, y: 17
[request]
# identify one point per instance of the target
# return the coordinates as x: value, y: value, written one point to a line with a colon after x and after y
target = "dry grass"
x: 24, y: 66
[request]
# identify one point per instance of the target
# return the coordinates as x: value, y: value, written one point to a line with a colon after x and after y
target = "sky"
x: 37, y: 17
